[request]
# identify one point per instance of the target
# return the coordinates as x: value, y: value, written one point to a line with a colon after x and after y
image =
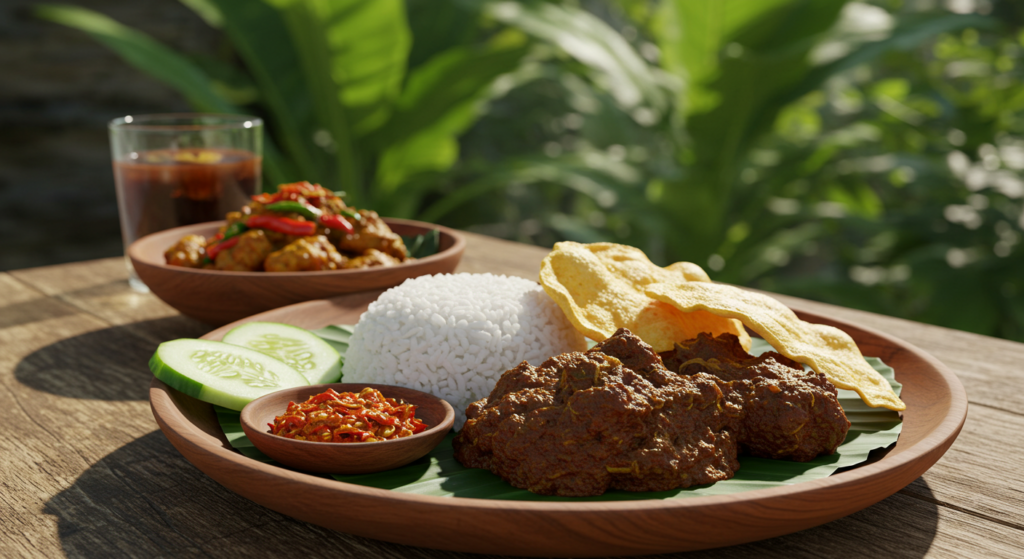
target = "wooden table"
x: 84, y: 471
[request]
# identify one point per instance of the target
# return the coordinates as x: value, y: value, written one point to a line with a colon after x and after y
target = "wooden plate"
x: 217, y: 297
x: 936, y: 410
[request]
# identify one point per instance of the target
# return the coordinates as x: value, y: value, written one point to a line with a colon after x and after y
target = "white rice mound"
x: 453, y: 335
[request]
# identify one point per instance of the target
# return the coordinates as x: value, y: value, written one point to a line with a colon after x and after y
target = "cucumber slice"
x: 300, y: 349
x: 220, y: 373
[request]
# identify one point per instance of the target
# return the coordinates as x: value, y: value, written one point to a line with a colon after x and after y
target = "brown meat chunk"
x: 616, y: 418
x: 789, y: 412
x: 370, y: 233
x: 635, y: 354
x: 306, y: 254
x: 723, y: 353
x: 248, y: 255
x: 189, y: 252
x: 583, y: 423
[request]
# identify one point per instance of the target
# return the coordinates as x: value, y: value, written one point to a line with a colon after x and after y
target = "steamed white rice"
x: 453, y: 335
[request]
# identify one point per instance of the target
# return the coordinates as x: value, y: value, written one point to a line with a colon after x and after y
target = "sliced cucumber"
x: 220, y: 373
x: 300, y: 349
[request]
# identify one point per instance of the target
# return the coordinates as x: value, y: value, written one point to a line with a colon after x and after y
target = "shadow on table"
x: 146, y: 500
x: 108, y: 364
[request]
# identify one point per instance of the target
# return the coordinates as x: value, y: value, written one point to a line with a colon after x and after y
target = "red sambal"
x: 348, y: 417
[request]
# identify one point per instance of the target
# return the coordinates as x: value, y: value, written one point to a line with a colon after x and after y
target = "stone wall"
x: 58, y: 90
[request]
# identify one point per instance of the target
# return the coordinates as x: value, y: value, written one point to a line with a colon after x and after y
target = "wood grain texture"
x: 346, y: 458
x: 100, y: 288
x: 982, y: 477
x: 218, y: 297
x: 84, y: 471
x: 497, y: 256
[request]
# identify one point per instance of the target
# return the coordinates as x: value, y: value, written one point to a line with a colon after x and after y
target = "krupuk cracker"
x: 600, y: 287
x: 827, y: 350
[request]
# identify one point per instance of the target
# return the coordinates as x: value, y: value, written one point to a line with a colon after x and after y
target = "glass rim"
x: 165, y: 122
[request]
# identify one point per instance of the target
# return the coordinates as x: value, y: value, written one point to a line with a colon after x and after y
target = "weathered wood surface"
x: 84, y: 471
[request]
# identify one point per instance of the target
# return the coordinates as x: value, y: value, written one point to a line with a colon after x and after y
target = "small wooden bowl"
x: 218, y: 297
x: 346, y: 458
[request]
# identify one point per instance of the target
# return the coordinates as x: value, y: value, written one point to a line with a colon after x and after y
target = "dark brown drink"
x: 161, y: 189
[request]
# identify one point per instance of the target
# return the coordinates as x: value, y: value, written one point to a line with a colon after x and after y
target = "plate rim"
x: 897, y: 468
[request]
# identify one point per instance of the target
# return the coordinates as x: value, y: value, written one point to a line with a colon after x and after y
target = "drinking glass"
x: 179, y: 169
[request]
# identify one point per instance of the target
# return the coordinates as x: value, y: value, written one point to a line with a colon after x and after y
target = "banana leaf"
x: 631, y: 81
x: 337, y: 336
x: 166, y: 65
x: 438, y: 474
x: 420, y: 246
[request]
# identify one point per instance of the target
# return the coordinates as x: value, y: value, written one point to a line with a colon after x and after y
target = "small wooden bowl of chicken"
x: 220, y: 296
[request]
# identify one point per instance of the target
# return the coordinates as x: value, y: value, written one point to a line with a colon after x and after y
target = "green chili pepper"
x: 235, y: 229
x: 288, y: 206
x: 351, y: 214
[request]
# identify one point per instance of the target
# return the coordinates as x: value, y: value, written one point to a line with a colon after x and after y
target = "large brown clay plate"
x: 936, y: 410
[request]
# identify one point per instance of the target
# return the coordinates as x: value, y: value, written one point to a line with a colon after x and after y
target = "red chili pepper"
x: 284, y: 225
x: 319, y: 429
x: 265, y: 198
x: 213, y: 251
x: 329, y: 395
x: 270, y: 198
x: 337, y: 222
x: 293, y: 191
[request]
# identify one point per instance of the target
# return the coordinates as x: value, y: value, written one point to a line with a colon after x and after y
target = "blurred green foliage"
x: 868, y: 154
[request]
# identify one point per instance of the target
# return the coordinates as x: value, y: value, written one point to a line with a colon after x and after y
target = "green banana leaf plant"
x: 786, y: 157
x: 726, y: 73
x: 795, y: 145
x: 333, y: 80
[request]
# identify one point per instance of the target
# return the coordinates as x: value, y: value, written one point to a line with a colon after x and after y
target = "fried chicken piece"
x: 248, y: 255
x: 306, y: 254
x: 333, y: 205
x: 370, y: 233
x: 235, y: 217
x: 189, y: 252
x: 371, y: 259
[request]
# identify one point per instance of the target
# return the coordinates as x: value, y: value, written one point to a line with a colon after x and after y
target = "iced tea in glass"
x: 180, y: 169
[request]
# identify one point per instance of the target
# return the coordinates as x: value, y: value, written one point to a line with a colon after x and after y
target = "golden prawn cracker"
x: 600, y: 288
x: 828, y: 350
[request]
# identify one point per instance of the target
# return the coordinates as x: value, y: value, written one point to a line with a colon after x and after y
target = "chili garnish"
x: 213, y: 250
x: 337, y: 222
x: 287, y: 206
x: 348, y: 417
x: 284, y: 225
x: 293, y: 191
